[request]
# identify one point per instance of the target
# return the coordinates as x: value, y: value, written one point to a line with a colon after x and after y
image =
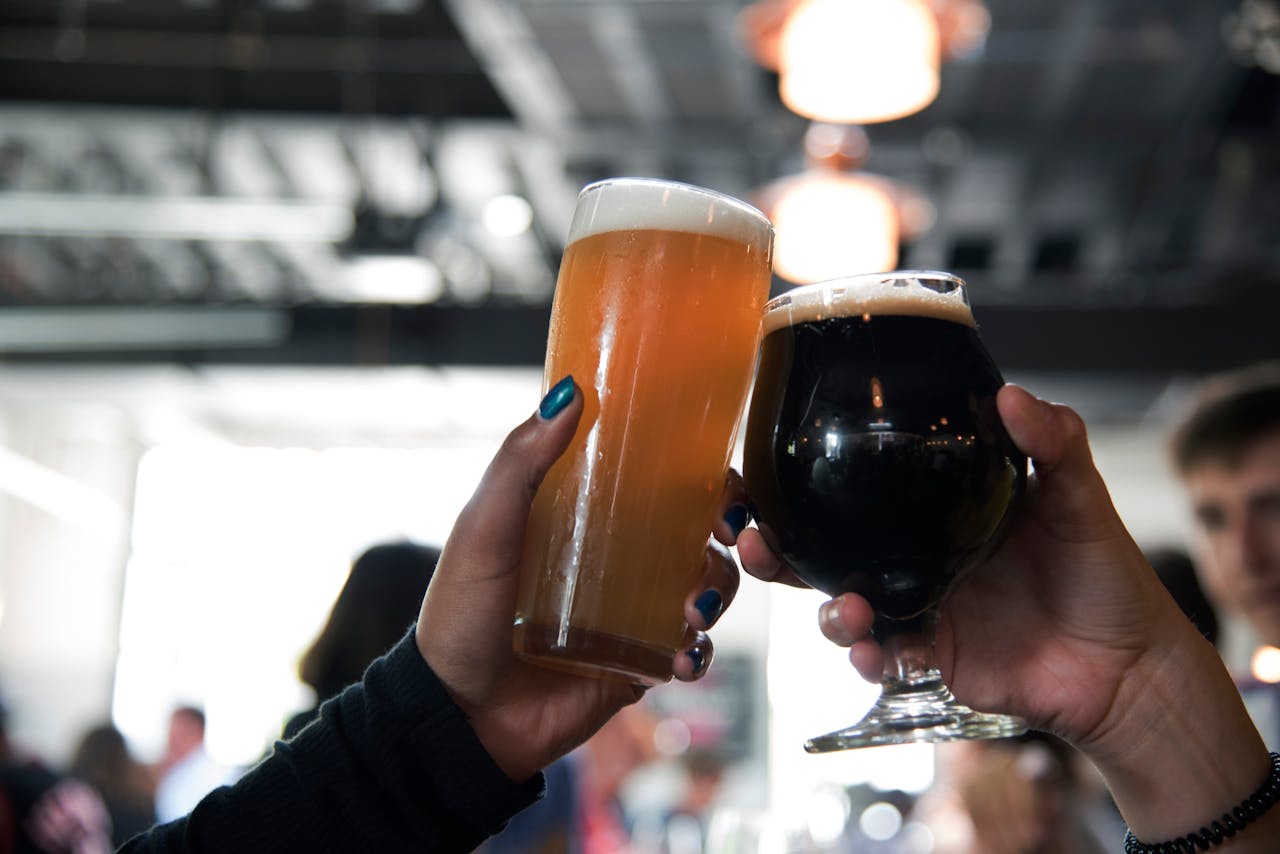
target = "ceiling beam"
x: 499, y: 35
x: 1161, y: 340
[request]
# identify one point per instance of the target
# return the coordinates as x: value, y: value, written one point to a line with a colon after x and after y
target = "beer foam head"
x: 919, y: 293
x: 627, y: 204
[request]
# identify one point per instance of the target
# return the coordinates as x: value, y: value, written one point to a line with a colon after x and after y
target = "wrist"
x: 1231, y: 825
x: 1177, y: 748
x: 503, y: 746
x: 508, y: 744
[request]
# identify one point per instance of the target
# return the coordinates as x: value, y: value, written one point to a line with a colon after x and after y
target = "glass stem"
x: 909, y: 663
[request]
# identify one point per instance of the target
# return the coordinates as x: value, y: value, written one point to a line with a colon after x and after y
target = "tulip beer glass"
x: 657, y: 316
x: 879, y: 465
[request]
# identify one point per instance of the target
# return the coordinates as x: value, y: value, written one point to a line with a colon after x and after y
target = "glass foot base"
x: 910, y: 717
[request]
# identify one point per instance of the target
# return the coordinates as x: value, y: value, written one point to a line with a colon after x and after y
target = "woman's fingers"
x: 692, y: 662
x: 716, y: 588
x: 734, y: 515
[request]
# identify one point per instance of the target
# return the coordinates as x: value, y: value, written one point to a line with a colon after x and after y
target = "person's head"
x: 102, y: 759
x: 1227, y: 451
x: 620, y: 747
x: 186, y: 731
x: 377, y: 605
x: 705, y: 768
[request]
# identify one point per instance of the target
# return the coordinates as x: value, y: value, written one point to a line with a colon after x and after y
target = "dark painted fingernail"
x: 709, y: 605
x: 737, y: 517
x: 560, y: 396
x: 698, y: 658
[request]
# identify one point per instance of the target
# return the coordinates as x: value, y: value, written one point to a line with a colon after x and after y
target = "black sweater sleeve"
x: 390, y: 765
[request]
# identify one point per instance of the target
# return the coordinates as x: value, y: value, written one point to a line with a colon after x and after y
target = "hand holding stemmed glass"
x: 1065, y: 624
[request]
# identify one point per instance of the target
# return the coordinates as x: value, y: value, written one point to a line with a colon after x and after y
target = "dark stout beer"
x: 874, y: 452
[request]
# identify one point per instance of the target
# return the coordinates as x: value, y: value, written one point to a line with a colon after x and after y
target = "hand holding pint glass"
x: 657, y: 317
x: 878, y: 465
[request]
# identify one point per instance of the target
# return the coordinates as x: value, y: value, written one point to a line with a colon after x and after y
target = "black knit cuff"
x: 459, y: 770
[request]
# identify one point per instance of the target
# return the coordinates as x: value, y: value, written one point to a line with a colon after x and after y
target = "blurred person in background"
x: 685, y: 830
x: 376, y: 606
x: 1226, y: 449
x: 42, y: 812
x: 551, y: 824
x: 1013, y: 796
x: 622, y: 746
x: 102, y: 759
x: 187, y: 772
x: 582, y: 812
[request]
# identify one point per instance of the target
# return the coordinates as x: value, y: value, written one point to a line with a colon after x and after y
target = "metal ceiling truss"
x: 1097, y: 155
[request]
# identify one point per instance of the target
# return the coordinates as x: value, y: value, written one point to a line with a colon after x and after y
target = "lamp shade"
x: 829, y: 224
x: 859, y: 61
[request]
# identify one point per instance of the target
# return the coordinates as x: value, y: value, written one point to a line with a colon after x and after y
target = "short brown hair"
x: 1228, y: 413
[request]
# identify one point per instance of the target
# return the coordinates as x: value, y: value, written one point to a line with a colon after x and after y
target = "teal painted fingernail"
x: 698, y: 659
x: 560, y: 396
x: 737, y: 517
x: 709, y: 605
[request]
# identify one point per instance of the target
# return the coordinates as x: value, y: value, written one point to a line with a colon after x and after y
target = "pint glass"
x: 657, y: 316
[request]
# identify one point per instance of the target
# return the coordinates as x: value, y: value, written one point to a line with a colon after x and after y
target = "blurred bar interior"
x: 275, y: 278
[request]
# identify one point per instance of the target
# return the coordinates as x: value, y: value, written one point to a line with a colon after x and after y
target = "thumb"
x: 489, y: 532
x: 1055, y: 438
x: 1052, y: 435
x: 463, y: 629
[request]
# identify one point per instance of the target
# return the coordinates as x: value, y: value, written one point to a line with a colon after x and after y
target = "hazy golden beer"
x: 657, y: 316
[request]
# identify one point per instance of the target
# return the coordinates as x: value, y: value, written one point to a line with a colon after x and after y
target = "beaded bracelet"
x: 1250, y: 809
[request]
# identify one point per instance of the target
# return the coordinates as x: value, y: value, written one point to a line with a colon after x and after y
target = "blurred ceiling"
x: 389, y: 181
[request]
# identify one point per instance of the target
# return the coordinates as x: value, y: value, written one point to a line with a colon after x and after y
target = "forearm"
x: 390, y: 765
x: 1181, y: 749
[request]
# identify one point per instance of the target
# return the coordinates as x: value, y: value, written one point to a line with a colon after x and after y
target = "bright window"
x: 237, y: 556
